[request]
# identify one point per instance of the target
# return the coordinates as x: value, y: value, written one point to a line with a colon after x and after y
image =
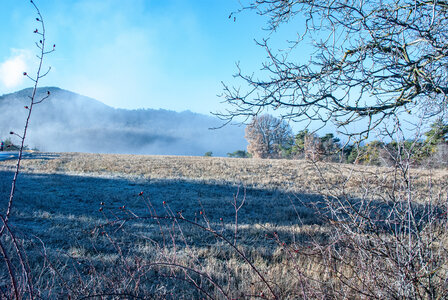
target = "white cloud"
x: 11, y: 70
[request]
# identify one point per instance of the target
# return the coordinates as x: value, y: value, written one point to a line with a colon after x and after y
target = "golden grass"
x: 286, y: 175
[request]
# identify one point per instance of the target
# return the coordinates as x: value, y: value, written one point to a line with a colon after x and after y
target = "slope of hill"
x: 71, y: 122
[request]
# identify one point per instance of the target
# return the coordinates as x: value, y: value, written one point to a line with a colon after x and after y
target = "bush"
x: 239, y: 154
x: 8, y: 145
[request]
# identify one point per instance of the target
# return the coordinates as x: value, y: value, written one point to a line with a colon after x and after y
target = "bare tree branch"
x: 372, y: 60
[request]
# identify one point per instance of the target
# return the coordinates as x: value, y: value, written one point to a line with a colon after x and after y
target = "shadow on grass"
x: 12, y: 155
x: 89, y: 222
x: 62, y: 209
x: 41, y: 155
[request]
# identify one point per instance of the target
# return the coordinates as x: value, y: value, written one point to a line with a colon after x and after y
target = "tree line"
x: 270, y: 137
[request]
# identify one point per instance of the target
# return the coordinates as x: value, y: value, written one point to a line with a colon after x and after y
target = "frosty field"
x: 153, y: 226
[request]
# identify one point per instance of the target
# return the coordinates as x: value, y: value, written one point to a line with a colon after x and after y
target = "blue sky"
x: 170, y: 54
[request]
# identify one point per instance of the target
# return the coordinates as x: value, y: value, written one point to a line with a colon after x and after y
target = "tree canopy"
x: 372, y: 60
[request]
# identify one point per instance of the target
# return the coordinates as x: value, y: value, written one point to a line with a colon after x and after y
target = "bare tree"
x: 313, y: 147
x: 372, y: 60
x: 267, y: 136
x: 34, y: 99
x: 19, y: 284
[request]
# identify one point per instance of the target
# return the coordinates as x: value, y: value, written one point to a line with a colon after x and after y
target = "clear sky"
x: 170, y: 54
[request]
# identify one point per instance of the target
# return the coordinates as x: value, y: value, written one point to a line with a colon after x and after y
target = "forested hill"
x: 70, y: 122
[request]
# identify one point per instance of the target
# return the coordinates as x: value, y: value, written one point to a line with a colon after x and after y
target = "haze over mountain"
x: 68, y: 122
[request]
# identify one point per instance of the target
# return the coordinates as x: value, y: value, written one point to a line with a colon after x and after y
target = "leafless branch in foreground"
x: 21, y: 285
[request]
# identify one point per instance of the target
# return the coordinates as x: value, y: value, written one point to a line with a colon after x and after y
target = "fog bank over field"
x: 68, y: 122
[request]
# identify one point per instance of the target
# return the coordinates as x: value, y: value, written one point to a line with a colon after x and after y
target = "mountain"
x: 68, y: 122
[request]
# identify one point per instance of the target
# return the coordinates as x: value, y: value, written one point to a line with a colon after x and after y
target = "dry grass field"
x: 126, y: 226
x: 296, y: 176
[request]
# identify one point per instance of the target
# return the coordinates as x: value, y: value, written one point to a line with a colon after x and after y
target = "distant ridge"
x: 69, y: 122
